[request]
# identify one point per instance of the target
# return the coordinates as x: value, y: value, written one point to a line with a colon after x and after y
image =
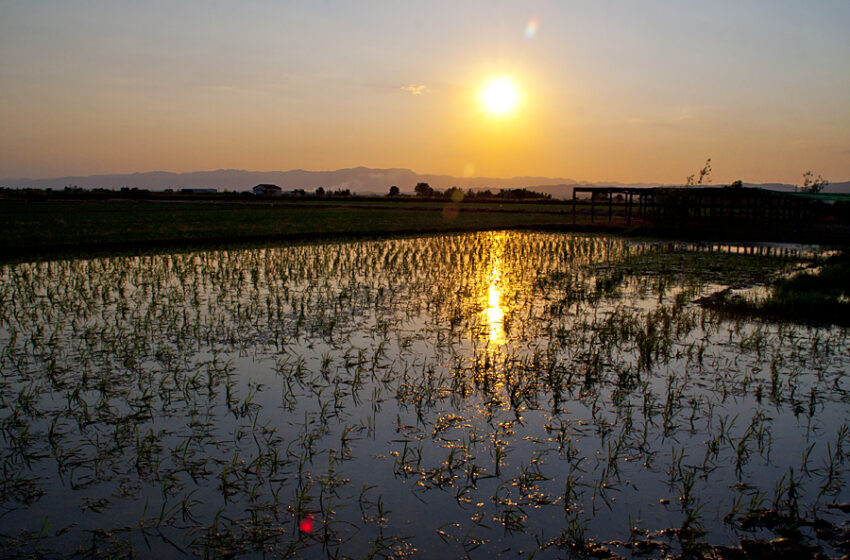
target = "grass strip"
x: 817, y: 297
x: 36, y: 227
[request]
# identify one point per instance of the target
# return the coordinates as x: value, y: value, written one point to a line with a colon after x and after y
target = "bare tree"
x: 704, y: 175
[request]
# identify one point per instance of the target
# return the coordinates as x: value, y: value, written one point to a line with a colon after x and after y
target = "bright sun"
x: 500, y: 96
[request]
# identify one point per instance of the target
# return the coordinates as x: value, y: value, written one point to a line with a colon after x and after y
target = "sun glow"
x: 500, y: 96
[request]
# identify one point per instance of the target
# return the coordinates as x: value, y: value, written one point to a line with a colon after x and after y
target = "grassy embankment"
x: 37, y: 228
x: 819, y: 296
x: 810, y: 290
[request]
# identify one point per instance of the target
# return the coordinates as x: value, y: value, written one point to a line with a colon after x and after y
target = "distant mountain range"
x: 361, y: 180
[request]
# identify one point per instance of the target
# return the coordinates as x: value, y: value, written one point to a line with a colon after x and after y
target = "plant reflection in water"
x: 438, y: 393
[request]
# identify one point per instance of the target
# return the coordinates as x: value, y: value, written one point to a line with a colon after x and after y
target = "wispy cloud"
x: 413, y: 90
x: 681, y: 117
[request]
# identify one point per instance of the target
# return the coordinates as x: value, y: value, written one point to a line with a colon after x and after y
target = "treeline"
x: 319, y: 192
x: 457, y: 194
x: 422, y: 192
x: 78, y: 193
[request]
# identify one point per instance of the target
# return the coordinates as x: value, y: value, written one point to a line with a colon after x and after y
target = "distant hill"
x: 357, y: 179
x: 361, y: 180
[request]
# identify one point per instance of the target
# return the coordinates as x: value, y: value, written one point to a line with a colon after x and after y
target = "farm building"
x: 267, y: 190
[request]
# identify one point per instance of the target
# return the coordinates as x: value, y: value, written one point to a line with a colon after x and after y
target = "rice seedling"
x: 436, y: 394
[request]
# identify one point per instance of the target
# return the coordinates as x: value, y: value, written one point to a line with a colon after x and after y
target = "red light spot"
x: 306, y: 524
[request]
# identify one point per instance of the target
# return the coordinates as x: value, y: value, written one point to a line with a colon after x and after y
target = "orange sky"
x: 611, y: 91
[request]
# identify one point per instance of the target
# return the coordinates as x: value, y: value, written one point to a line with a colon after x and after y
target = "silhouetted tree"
x: 812, y: 185
x: 520, y: 194
x: 320, y: 191
x: 454, y: 193
x: 393, y: 191
x: 423, y: 189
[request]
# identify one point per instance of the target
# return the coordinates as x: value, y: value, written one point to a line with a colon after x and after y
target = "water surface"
x: 489, y: 393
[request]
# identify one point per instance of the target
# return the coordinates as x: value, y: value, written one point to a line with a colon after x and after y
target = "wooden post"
x: 592, y: 205
x: 574, y: 206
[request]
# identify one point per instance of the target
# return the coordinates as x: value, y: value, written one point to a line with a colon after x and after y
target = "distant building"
x: 267, y: 190
x: 198, y: 190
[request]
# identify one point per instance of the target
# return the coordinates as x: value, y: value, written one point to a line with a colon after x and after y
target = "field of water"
x: 487, y: 394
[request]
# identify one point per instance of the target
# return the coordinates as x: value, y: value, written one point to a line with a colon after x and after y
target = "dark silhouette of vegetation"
x: 521, y: 194
x: 323, y: 193
x: 423, y: 189
x: 675, y: 203
x: 503, y: 194
x: 455, y: 194
x: 817, y: 298
x: 703, y: 176
x: 812, y: 185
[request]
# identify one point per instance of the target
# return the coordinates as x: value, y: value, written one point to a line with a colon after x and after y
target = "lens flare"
x: 306, y: 524
x: 531, y: 27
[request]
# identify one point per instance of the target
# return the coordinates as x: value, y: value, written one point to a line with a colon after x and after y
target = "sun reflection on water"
x: 495, y: 315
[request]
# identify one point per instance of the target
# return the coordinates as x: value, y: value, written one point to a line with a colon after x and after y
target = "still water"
x: 482, y: 394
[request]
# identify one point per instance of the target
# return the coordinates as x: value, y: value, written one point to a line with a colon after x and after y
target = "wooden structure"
x: 607, y: 194
x: 700, y: 204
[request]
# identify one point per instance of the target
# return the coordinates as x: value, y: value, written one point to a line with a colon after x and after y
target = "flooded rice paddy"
x: 488, y: 394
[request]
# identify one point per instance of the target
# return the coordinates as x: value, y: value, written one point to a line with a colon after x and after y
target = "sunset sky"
x: 619, y: 91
